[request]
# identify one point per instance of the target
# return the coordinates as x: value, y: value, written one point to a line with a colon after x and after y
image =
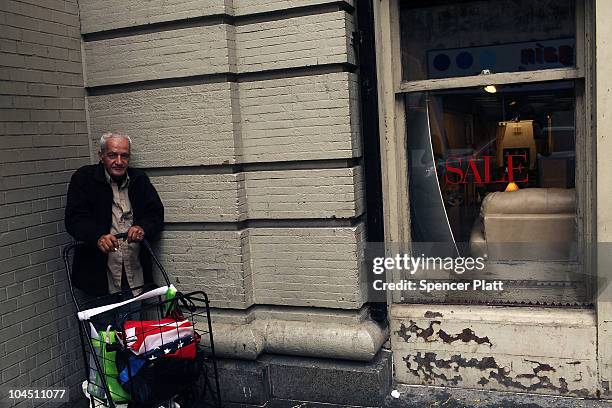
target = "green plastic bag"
x: 108, y: 363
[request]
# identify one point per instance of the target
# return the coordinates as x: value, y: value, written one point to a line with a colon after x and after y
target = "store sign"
x: 524, y: 56
x: 478, y: 170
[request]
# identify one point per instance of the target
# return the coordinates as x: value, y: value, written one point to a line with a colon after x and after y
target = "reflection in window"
x: 443, y: 39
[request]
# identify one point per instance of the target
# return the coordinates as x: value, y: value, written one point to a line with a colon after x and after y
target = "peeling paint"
x: 543, y: 382
x: 425, y: 364
x: 432, y: 315
x: 540, y: 366
x: 429, y: 368
x: 465, y: 336
x: 483, y: 381
x: 403, y: 333
x: 426, y: 334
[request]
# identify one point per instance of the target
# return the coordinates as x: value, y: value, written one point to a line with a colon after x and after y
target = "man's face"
x: 116, y: 156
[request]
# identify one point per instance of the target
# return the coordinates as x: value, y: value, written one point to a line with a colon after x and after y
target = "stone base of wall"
x: 272, y: 379
x: 297, y: 331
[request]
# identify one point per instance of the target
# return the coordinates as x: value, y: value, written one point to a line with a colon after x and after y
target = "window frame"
x: 392, y: 124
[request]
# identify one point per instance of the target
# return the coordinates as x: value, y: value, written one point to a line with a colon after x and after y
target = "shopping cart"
x: 148, y: 346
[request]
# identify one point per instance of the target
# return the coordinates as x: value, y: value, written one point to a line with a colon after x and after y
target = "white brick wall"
x: 165, y: 54
x: 43, y: 138
x: 360, y: 196
x: 101, y: 15
x: 212, y: 261
x: 176, y: 126
x: 319, y: 267
x: 299, y: 118
x: 294, y: 42
x: 287, y: 43
x: 199, y: 198
x: 355, y: 114
x: 324, y: 193
x: 245, y: 7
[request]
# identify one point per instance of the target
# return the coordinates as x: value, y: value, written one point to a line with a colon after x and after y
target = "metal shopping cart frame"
x: 194, y: 306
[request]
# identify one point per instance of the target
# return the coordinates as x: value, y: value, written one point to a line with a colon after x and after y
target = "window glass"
x: 442, y: 39
x: 492, y: 175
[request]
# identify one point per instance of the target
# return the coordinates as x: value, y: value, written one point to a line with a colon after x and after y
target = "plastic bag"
x: 108, y: 365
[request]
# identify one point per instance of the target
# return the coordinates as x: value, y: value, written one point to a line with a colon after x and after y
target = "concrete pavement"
x: 438, y: 397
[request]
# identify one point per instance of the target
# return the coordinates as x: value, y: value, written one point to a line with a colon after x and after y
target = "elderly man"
x: 105, y: 199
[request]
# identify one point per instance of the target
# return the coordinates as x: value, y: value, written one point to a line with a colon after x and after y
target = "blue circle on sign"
x: 441, y: 62
x: 464, y: 60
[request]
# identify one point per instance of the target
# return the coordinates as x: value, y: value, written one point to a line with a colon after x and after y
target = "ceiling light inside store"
x: 490, y: 89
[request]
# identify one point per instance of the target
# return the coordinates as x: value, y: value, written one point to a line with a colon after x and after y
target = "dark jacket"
x: 89, y: 215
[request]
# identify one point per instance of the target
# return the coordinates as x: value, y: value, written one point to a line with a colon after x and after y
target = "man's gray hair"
x: 114, y: 133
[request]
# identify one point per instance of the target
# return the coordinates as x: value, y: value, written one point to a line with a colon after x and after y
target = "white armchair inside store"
x: 528, y: 238
x: 536, y: 224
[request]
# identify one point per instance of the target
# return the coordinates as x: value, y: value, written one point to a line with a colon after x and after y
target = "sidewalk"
x: 438, y: 397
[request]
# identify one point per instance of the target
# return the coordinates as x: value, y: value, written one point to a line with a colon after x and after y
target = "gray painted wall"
x: 43, y: 138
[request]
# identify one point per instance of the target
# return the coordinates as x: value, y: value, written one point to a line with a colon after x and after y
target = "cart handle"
x: 70, y: 247
x: 89, y: 313
x: 123, y: 235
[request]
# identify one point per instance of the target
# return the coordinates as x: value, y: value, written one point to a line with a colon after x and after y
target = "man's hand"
x: 108, y: 243
x: 135, y: 234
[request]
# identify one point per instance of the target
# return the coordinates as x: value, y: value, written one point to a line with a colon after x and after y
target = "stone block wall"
x: 300, y: 118
x: 177, y: 126
x: 43, y: 138
x: 245, y: 114
x: 162, y: 54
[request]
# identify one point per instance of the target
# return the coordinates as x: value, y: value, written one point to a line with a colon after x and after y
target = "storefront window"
x: 443, y: 39
x: 496, y: 142
x: 492, y: 176
x: 518, y: 138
